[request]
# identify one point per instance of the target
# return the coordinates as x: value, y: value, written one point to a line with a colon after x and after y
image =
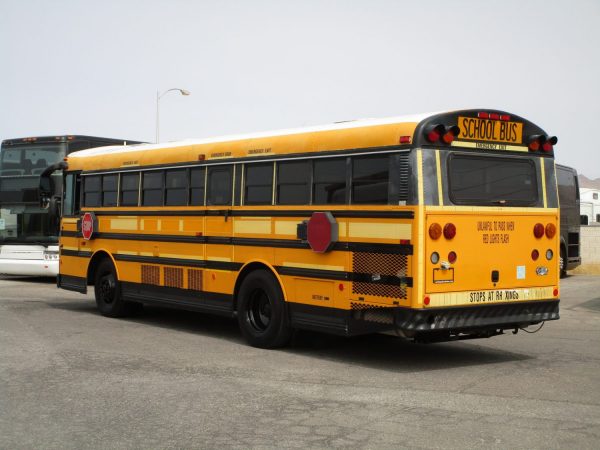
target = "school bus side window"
x: 219, y: 185
x: 293, y: 182
x: 370, y: 179
x: 259, y: 184
x: 329, y: 181
x: 130, y: 186
x: 110, y: 183
x: 152, y: 188
x: 197, y: 179
x: 71, y: 199
x: 176, y: 187
x: 91, y: 191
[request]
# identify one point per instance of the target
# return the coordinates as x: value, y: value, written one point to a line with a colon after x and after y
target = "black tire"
x: 107, y: 290
x: 262, y: 312
x: 563, y: 263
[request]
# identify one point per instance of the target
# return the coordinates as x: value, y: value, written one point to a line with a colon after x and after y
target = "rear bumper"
x: 468, y: 320
x: 34, y: 267
x: 429, y: 325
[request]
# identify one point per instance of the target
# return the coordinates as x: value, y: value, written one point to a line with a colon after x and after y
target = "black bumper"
x: 474, y: 319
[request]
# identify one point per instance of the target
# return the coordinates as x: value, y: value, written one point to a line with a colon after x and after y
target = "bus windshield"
x: 29, y: 160
x: 492, y: 180
x: 27, y: 227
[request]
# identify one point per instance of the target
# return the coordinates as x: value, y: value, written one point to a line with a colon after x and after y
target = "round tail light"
x: 538, y: 230
x: 449, y: 231
x: 452, y: 257
x: 535, y: 255
x: 435, y: 231
x: 550, y: 230
x: 448, y: 137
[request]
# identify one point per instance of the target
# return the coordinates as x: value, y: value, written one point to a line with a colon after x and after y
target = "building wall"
x: 590, y: 250
x: 590, y: 206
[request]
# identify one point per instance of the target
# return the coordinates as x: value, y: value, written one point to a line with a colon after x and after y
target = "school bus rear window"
x: 486, y: 180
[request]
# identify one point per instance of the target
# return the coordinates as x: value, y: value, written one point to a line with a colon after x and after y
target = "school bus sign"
x: 475, y: 129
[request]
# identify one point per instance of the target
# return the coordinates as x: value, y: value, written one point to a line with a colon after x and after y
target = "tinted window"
x: 259, y: 184
x: 70, y: 195
x: 176, y: 187
x: 110, y: 185
x: 152, y: 188
x: 91, y: 191
x: 482, y: 180
x: 197, y: 176
x: 293, y: 182
x: 130, y: 185
x: 370, y: 179
x: 219, y: 186
x: 567, y: 186
x: 329, y: 181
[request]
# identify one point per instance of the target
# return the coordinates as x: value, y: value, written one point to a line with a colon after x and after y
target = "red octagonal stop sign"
x: 322, y: 232
x: 88, y: 225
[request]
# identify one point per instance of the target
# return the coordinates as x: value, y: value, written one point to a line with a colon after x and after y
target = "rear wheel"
x: 107, y: 290
x: 262, y: 312
x: 563, y: 263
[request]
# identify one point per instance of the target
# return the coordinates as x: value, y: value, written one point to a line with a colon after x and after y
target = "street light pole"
x: 158, y: 97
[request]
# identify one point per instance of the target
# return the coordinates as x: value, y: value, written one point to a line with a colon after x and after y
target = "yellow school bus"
x: 435, y: 227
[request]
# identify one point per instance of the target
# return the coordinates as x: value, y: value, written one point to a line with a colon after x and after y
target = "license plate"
x: 476, y: 129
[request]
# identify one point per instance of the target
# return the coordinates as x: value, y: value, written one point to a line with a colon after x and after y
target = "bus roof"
x: 383, y: 132
x: 60, y: 138
x: 365, y: 134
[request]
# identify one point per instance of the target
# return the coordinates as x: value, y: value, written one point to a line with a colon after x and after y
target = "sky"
x: 94, y: 67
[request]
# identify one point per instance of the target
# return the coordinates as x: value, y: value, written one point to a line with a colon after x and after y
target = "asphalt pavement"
x: 70, y: 378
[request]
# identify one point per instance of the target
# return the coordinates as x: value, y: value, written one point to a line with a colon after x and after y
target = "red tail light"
x: 550, y: 230
x: 535, y: 255
x: 452, y: 257
x: 549, y: 143
x: 534, y: 144
x: 538, y: 230
x: 450, y: 133
x: 435, y: 231
x: 433, y: 133
x: 449, y: 231
x: 483, y: 115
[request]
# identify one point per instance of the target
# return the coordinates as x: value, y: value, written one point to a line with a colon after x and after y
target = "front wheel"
x: 262, y: 312
x: 107, y: 290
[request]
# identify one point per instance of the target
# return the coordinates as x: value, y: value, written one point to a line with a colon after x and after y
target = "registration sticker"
x: 520, y: 272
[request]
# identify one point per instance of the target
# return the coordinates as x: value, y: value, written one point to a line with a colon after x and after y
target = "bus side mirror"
x: 46, y: 186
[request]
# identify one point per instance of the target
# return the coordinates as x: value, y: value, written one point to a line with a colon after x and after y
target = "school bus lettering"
x: 493, y: 296
x: 476, y: 129
x: 496, y: 231
x: 388, y: 225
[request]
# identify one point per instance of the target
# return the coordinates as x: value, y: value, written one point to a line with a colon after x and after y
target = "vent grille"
x: 380, y: 264
x: 150, y: 274
x: 404, y: 172
x: 173, y: 277
x: 195, y: 279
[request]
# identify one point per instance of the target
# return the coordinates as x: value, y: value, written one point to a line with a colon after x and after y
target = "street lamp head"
x: 184, y: 92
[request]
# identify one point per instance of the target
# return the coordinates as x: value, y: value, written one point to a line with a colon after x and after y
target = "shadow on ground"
x: 375, y: 351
